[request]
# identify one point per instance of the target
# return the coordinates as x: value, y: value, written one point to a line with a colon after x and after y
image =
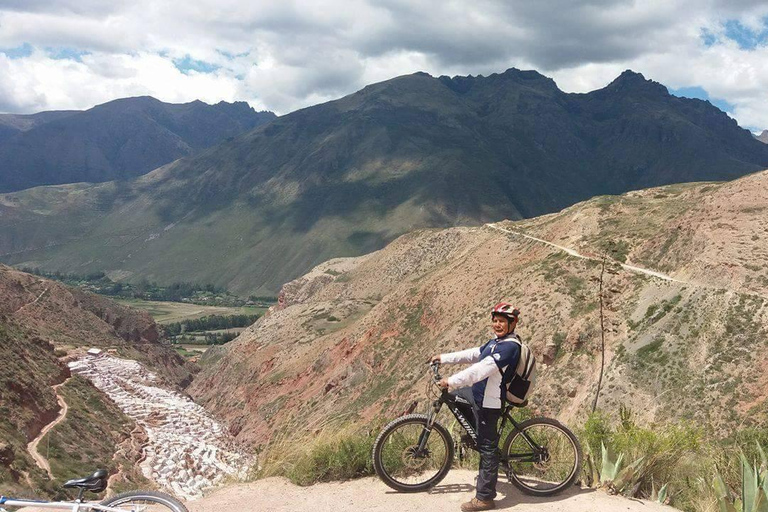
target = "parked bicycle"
x: 540, y: 456
x: 131, y: 501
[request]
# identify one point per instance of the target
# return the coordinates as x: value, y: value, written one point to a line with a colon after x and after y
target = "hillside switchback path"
x: 41, y: 461
x: 625, y: 266
x: 572, y: 252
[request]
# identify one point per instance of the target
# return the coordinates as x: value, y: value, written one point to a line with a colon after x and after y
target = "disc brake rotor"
x: 544, y: 461
x: 412, y: 459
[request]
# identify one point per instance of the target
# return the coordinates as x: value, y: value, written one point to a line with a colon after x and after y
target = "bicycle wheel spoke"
x: 144, y: 501
x: 141, y: 506
x: 401, y: 460
x: 549, y: 465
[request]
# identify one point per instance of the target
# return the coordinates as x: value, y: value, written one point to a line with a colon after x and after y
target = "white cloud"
x: 39, y: 82
x: 287, y: 54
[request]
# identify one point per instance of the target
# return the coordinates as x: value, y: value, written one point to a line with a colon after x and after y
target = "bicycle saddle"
x: 97, y: 482
x: 522, y: 404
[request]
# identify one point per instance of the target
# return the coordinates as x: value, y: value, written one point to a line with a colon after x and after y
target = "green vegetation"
x: 334, y: 455
x: 654, y: 456
x: 202, y: 294
x: 205, y: 338
x: 616, y: 249
x: 694, y: 468
x: 754, y: 487
x: 171, y: 312
x: 648, y: 351
x: 209, y: 323
x: 656, y: 312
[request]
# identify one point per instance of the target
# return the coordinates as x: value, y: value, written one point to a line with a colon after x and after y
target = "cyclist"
x: 481, y: 386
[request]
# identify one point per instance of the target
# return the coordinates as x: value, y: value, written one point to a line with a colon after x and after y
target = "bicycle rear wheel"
x: 145, y: 501
x: 398, y: 460
x: 547, y: 466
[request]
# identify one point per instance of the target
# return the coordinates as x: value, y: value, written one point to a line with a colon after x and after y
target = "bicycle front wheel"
x: 145, y: 501
x: 409, y: 457
x: 543, y: 457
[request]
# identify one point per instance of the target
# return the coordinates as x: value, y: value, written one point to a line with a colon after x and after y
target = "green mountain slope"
x: 345, y: 177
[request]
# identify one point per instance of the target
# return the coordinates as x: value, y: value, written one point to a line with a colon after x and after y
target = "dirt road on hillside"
x: 371, y: 495
x: 41, y: 461
x: 572, y: 252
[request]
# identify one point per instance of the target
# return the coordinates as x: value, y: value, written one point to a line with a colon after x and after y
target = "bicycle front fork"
x: 424, y: 437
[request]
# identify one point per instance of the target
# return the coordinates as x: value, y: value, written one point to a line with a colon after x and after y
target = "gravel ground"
x: 371, y: 495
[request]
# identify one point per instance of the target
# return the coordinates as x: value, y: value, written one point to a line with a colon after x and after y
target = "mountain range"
x: 118, y: 140
x: 348, y: 176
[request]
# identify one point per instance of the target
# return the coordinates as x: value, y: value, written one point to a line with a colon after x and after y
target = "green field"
x: 169, y: 312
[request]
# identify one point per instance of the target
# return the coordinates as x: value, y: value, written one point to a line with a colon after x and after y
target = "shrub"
x: 654, y: 455
x: 754, y: 487
x: 336, y: 455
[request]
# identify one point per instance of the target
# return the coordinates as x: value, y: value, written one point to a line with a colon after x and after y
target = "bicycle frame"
x: 536, y: 455
x: 73, y: 506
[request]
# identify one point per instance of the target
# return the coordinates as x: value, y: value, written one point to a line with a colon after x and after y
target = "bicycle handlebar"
x: 435, y: 367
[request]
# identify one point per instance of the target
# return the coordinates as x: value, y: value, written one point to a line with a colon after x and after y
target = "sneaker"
x: 476, y: 504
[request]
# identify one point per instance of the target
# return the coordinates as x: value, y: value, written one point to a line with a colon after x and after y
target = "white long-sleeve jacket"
x: 485, y: 375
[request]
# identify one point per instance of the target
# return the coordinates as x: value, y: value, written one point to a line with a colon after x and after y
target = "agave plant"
x: 661, y: 495
x: 754, y: 487
x: 615, y: 476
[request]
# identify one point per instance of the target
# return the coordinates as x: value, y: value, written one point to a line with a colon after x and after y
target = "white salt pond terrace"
x: 188, y: 451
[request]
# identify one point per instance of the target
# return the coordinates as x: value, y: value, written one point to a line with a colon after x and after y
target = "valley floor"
x: 371, y: 495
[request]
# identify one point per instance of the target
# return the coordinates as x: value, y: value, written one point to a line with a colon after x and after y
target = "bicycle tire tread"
x: 173, y: 503
x: 541, y: 420
x: 376, y: 454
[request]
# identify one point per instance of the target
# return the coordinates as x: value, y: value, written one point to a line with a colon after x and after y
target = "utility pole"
x: 602, y: 336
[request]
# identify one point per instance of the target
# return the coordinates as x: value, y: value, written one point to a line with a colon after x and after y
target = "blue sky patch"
x: 708, y: 38
x: 188, y: 64
x: 66, y: 54
x: 19, y: 52
x: 745, y: 37
x: 700, y: 93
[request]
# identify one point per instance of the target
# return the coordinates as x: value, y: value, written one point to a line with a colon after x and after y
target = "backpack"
x: 520, y: 384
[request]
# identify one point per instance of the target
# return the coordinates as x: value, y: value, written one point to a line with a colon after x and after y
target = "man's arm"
x: 475, y: 373
x: 470, y: 355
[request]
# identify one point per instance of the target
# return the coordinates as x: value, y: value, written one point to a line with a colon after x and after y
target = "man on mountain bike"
x: 485, y: 395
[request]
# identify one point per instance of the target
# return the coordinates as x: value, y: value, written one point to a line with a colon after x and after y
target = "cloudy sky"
x: 283, y: 55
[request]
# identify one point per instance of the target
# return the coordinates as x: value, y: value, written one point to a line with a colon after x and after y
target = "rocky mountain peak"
x: 630, y: 82
x: 528, y: 78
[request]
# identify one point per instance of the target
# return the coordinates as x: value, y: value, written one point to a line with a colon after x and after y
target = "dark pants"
x: 485, y: 423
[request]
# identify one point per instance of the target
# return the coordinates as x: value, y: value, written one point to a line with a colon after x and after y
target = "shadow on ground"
x: 513, y: 496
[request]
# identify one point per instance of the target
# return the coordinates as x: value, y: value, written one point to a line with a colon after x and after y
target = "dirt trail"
x: 631, y: 268
x: 371, y: 495
x: 625, y: 266
x: 41, y: 461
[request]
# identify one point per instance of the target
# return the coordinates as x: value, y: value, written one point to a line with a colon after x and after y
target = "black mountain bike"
x: 540, y: 456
